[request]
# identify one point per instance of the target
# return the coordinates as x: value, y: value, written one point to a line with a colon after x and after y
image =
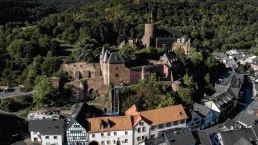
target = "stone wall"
x: 82, y: 70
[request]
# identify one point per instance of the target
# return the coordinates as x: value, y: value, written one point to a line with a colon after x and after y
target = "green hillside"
x: 211, y: 25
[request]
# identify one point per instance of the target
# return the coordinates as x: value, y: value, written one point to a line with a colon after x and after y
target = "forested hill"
x: 211, y: 25
x: 32, y: 10
x: 21, y: 10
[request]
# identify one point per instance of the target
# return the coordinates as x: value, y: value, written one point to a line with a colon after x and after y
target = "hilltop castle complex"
x: 176, y: 42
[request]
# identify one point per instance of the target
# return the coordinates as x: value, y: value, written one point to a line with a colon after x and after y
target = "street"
x: 14, y: 92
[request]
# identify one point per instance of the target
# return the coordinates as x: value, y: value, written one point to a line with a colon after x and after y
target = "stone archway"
x: 94, y: 143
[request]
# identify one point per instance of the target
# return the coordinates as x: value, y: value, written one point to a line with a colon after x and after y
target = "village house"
x: 227, y: 93
x: 133, y: 128
x: 202, y: 117
x: 47, y: 131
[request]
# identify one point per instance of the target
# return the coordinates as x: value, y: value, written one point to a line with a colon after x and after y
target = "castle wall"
x: 82, y: 69
x: 168, y: 41
x: 135, y: 74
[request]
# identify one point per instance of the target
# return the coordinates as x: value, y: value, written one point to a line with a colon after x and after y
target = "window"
x: 175, y: 123
x: 93, y: 135
x: 168, y: 124
x: 116, y: 75
x: 153, y: 135
x: 47, y: 137
x: 139, y: 130
x: 182, y: 121
x: 35, y: 139
x: 138, y: 138
x: 141, y: 123
x: 126, y: 140
x: 114, y: 133
x: 161, y: 126
x: 102, y: 134
x: 108, y: 142
x: 102, y: 142
x: 143, y: 137
x: 126, y: 132
x: 108, y: 133
x: 55, y: 137
x: 143, y: 129
x: 114, y: 141
x: 153, y: 127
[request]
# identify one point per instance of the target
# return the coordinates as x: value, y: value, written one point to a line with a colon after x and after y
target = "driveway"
x: 15, y: 91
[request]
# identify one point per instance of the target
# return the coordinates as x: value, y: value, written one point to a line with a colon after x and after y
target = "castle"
x: 114, y: 70
x: 176, y: 42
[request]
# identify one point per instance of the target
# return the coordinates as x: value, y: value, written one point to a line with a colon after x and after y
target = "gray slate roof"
x: 242, y: 141
x: 201, y: 109
x: 204, y: 138
x: 170, y: 57
x: 116, y: 57
x: 179, y: 136
x: 232, y: 136
x: 47, y: 126
x: 248, y: 116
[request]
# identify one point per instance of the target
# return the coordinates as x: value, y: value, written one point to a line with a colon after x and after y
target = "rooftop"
x: 179, y: 136
x: 115, y: 123
x: 47, y: 126
x: 162, y: 115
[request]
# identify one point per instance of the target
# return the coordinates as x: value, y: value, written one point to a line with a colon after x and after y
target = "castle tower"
x: 149, y: 33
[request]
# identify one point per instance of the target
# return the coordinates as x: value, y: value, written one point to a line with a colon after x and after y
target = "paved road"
x: 15, y: 92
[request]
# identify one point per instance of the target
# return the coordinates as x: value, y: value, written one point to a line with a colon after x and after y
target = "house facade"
x: 132, y: 129
x: 47, y: 131
x: 202, y: 117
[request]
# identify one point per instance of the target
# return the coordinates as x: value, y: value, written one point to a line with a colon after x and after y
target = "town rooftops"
x: 232, y: 136
x: 179, y: 136
x: 248, y: 116
x: 112, y: 123
x: 201, y: 109
x: 162, y: 115
x: 47, y: 126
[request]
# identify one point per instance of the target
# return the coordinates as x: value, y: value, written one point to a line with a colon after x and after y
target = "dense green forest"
x: 36, y: 47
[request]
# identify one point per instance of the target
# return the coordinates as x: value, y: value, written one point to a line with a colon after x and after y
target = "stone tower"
x: 149, y: 35
x: 113, y: 67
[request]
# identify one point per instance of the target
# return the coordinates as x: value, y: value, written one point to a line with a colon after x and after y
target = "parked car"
x: 7, y: 89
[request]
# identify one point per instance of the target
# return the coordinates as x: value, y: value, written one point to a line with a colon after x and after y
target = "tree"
x: 166, y: 100
x: 44, y: 92
x: 185, y: 94
x: 50, y: 65
x: 128, y: 52
x: 84, y: 50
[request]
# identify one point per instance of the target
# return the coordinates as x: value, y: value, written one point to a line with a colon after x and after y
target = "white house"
x: 132, y: 129
x: 47, y: 131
